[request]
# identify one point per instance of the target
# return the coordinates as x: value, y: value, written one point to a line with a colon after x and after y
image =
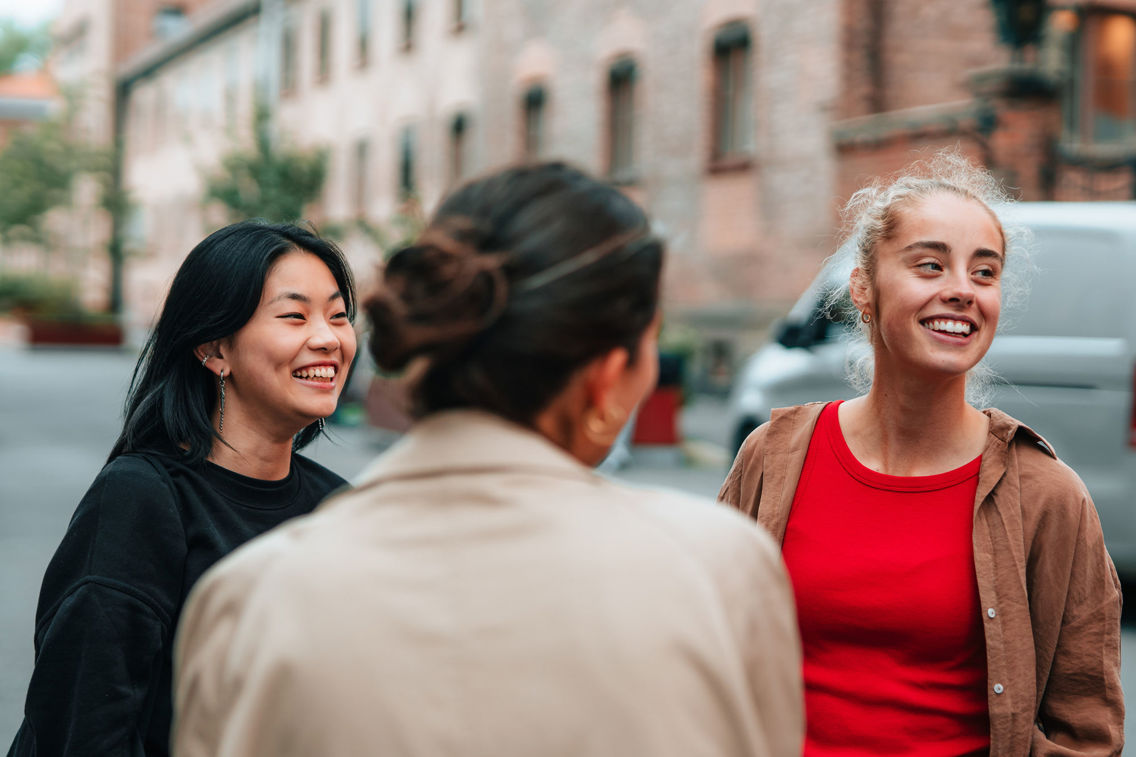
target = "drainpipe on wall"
x: 114, y: 202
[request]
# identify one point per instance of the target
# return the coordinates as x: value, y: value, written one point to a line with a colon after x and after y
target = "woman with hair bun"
x: 483, y: 591
x: 953, y: 589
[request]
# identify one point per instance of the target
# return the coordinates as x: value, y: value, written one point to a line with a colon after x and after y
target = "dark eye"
x: 341, y: 314
x: 297, y: 316
x: 986, y: 273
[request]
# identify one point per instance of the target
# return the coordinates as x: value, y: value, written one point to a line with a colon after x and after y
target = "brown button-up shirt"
x: 1049, y: 592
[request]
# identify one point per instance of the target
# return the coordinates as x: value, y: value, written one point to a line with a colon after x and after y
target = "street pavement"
x: 61, y: 411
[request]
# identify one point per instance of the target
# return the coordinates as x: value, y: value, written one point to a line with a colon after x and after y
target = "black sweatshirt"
x: 143, y: 534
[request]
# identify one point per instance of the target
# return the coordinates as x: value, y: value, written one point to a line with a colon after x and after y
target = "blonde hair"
x: 872, y: 215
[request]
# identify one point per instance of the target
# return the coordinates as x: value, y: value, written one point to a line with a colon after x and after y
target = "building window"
x: 407, y: 184
x: 409, y: 16
x: 363, y: 38
x: 361, y: 170
x: 323, y: 46
x: 288, y: 59
x: 461, y: 8
x: 158, y: 123
x: 1104, y: 111
x: 459, y: 147
x: 621, y: 121
x: 232, y: 84
x: 732, y: 124
x: 532, y: 120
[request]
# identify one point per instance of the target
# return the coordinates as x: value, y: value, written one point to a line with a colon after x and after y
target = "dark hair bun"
x: 432, y: 298
x: 522, y: 277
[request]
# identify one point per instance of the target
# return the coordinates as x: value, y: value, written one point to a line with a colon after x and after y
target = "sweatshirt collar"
x: 471, y: 440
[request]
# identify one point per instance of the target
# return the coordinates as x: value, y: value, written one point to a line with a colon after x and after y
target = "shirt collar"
x: 470, y: 440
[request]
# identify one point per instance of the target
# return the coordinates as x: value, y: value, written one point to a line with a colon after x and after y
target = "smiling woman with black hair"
x: 247, y: 359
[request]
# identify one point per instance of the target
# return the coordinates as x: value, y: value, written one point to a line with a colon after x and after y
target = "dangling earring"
x: 322, y: 425
x: 221, y: 421
x: 865, y: 317
x: 597, y: 426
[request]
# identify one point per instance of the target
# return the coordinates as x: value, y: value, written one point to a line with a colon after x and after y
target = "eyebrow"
x: 943, y: 247
x: 303, y: 297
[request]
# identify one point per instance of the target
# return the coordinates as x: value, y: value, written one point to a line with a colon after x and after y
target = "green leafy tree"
x: 269, y: 181
x: 36, y: 171
x: 22, y: 48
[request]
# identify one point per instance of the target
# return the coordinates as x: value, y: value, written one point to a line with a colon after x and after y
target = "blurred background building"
x: 742, y: 125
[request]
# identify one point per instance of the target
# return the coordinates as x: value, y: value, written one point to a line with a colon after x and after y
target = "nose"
x: 959, y: 289
x: 322, y: 336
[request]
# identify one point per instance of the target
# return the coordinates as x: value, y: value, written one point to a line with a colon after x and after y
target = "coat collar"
x: 471, y: 440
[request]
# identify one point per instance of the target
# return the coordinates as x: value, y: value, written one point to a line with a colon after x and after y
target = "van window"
x: 821, y: 324
x: 1082, y: 286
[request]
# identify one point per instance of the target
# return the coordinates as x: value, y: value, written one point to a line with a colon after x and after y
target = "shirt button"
x: 998, y: 688
x: 991, y: 612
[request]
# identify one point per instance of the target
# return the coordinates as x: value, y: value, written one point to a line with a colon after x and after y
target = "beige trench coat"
x: 482, y: 593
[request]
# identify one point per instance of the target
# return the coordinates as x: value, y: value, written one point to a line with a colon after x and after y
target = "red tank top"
x: 883, y: 572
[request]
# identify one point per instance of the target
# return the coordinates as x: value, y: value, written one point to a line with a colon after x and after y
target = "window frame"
x: 1083, y: 110
x: 363, y: 12
x: 323, y: 45
x: 731, y: 118
x: 289, y: 75
x: 407, y: 177
x: 622, y: 77
x: 458, y: 147
x: 407, y: 25
x: 534, y: 102
x: 361, y: 153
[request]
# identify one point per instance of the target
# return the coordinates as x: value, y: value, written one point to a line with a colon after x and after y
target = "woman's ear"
x: 604, y: 377
x: 209, y: 355
x: 860, y: 289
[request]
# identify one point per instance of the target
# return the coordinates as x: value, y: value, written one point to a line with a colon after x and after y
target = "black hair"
x: 521, y: 278
x: 215, y: 292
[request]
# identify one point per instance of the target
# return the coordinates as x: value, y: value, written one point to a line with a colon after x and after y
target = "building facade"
x: 741, y: 125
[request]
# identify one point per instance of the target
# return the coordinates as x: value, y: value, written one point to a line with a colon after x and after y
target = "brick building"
x: 740, y: 124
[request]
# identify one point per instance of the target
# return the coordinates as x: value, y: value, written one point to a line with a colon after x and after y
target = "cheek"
x: 349, y: 343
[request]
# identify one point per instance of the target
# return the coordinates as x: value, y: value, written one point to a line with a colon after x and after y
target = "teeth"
x: 951, y: 327
x: 323, y: 371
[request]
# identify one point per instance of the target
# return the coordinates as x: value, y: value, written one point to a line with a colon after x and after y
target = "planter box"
x: 42, y: 331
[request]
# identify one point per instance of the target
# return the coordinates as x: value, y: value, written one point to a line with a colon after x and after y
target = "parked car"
x: 1065, y: 360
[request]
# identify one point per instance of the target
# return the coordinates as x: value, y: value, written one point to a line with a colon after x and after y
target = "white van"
x: 1066, y: 360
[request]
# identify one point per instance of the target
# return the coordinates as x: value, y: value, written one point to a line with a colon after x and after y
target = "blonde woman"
x: 954, y: 592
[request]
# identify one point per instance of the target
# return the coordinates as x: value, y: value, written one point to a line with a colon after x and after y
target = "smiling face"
x: 936, y: 294
x: 285, y: 368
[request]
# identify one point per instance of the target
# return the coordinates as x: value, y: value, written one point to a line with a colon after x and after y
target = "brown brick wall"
x: 905, y: 53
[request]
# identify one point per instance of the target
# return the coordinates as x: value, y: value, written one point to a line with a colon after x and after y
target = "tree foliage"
x: 36, y: 171
x: 21, y: 48
x: 270, y: 181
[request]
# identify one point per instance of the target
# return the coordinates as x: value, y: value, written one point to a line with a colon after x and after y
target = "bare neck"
x: 913, y: 427
x: 253, y: 454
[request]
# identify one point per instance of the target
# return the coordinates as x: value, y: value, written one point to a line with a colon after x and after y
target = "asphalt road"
x: 61, y: 411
